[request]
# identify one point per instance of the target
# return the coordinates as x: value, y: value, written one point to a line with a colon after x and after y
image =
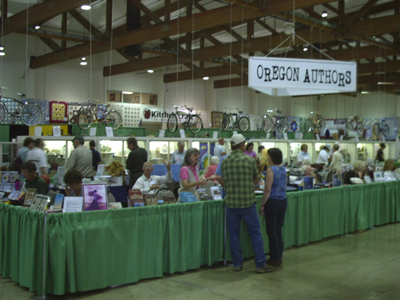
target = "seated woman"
x: 388, y: 166
x: 211, y: 169
x: 309, y: 171
x: 359, y: 169
x: 189, y: 173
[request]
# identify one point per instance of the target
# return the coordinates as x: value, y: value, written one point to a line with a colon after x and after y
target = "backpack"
x: 16, y: 166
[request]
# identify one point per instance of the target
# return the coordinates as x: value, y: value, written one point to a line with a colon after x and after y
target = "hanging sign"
x: 293, y: 77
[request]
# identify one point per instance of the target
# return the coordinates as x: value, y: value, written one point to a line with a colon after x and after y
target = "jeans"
x: 250, y: 217
x: 274, y: 211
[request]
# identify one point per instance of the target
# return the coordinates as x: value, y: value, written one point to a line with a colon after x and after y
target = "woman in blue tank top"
x: 274, y: 204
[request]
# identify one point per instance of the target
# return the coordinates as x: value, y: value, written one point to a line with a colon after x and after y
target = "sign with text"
x: 290, y: 77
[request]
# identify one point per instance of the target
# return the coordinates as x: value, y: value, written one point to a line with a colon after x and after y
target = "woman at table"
x: 388, y: 166
x: 359, y: 169
x: 336, y: 163
x: 274, y: 204
x: 249, y: 150
x: 189, y: 174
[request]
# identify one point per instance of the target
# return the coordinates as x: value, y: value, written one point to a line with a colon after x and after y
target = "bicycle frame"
x: 14, y: 113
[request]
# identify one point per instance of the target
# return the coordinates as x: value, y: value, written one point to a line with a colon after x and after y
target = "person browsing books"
x: 150, y: 184
x: 33, y: 180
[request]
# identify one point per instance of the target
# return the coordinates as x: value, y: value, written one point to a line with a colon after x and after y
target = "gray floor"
x: 355, y: 266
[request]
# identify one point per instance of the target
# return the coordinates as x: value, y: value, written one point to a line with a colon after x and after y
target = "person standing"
x: 80, y: 158
x: 380, y: 156
x: 239, y: 175
x: 137, y: 157
x: 38, y: 156
x: 336, y: 163
x: 303, y: 155
x: 273, y: 205
x: 29, y: 144
x: 219, y: 150
x: 95, y: 155
x: 249, y: 150
x: 178, y: 157
x: 323, y: 155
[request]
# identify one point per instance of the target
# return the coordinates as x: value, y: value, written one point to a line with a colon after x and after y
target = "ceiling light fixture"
x: 324, y: 14
x: 364, y: 92
x: 2, y: 53
x: 305, y: 48
x: 150, y: 71
x: 37, y: 27
x: 206, y: 78
x: 83, y: 62
x: 86, y: 7
x: 127, y: 93
x: 385, y: 83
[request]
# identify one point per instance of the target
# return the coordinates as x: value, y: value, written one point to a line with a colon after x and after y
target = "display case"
x: 295, y: 150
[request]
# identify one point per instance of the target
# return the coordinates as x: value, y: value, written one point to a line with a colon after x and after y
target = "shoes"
x: 264, y: 269
x: 276, y: 263
x: 238, y: 269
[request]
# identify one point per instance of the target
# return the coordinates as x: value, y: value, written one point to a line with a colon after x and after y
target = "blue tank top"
x: 278, y: 189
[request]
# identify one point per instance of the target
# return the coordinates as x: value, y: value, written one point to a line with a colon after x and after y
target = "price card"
x: 109, y: 132
x: 38, y: 131
x: 182, y: 132
x: 215, y: 135
x: 268, y: 136
x: 93, y: 131
x: 317, y: 136
x: 357, y: 138
x: 383, y: 138
x: 73, y: 204
x: 341, y: 137
x: 56, y: 131
x: 161, y: 133
x: 234, y: 132
x: 298, y: 135
x: 285, y: 137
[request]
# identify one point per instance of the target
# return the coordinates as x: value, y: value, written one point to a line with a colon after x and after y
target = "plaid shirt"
x: 80, y: 159
x: 238, y: 171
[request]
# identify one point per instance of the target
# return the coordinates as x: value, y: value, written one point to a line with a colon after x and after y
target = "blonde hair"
x: 388, y: 165
x: 264, y: 159
x: 359, y: 166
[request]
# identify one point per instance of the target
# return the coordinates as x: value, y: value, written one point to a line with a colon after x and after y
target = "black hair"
x: 28, y: 141
x: 37, y: 142
x: 73, y: 176
x: 29, y: 166
x: 189, y: 152
x: 249, y: 145
x: 92, y: 144
x: 260, y: 148
x: 276, y: 155
x: 382, y: 145
x: 132, y: 141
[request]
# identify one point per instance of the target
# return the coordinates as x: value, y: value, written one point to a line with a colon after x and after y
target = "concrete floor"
x: 355, y: 266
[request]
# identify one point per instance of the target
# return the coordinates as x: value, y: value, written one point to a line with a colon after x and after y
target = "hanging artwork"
x: 58, y: 112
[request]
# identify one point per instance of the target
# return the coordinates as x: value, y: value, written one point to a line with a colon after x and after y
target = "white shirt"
x: 218, y: 150
x: 38, y: 156
x: 323, y: 157
x: 303, y: 156
x: 144, y: 183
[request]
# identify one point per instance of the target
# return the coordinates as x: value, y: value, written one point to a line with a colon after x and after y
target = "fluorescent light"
x: 150, y: 71
x: 83, y: 63
x: 127, y: 93
x: 37, y: 27
x: 364, y: 92
x: 2, y: 53
x: 324, y: 14
x: 385, y: 83
x: 206, y: 78
x: 86, y: 7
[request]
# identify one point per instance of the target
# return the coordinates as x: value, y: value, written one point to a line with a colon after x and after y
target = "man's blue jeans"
x: 250, y: 217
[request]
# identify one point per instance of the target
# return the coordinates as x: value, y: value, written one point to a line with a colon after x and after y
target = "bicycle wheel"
x: 282, y: 125
x: 195, y: 123
x: 385, y: 129
x: 308, y: 125
x: 244, y: 123
x: 2, y: 113
x: 360, y: 129
x: 85, y: 118
x: 172, y: 122
x: 267, y: 124
x: 225, y: 122
x: 321, y: 124
x: 113, y: 119
x: 376, y: 129
x: 31, y: 114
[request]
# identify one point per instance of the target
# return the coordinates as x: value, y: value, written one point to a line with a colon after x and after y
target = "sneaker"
x: 264, y: 269
x: 238, y: 269
x: 276, y: 263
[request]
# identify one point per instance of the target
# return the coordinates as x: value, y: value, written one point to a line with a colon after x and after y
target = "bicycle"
x: 231, y: 120
x: 314, y: 122
x: 280, y: 124
x: 354, y: 124
x: 188, y: 120
x: 381, y: 127
x: 87, y: 114
x: 30, y: 114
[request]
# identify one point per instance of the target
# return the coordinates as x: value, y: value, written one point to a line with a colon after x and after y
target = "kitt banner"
x: 292, y: 77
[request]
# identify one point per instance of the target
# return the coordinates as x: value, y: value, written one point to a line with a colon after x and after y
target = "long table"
x: 92, y: 250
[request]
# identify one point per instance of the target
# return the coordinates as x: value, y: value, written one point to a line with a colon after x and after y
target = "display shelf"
x: 101, y: 131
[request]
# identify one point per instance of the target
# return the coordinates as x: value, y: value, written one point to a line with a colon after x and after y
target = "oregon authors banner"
x: 292, y: 77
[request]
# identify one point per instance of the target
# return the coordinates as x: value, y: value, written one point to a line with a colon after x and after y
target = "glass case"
x: 295, y: 150
x: 160, y: 151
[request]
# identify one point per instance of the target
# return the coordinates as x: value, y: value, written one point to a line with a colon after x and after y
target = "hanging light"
x: 83, y: 62
x: 37, y: 27
x: 150, y: 71
x: 324, y: 14
x: 305, y: 48
x: 86, y: 7
x: 2, y: 53
x: 206, y: 78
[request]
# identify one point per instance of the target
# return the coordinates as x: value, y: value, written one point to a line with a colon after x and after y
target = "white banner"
x: 292, y: 77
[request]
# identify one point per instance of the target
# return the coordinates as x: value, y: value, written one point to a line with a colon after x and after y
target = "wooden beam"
x: 266, y: 26
x: 167, y: 10
x: 219, y: 84
x: 210, y: 19
x: 359, y: 13
x: 4, y: 9
x: 109, y: 14
x: 38, y: 14
x: 374, y: 79
x: 63, y: 30
x: 210, y: 72
x: 86, y: 24
x: 386, y: 67
x: 51, y: 44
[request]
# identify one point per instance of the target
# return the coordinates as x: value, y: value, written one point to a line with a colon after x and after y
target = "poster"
x: 58, y: 112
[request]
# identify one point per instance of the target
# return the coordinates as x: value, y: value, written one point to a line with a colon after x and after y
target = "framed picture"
x: 40, y: 202
x: 30, y: 195
x: 378, y: 175
x: 337, y: 180
x: 216, y: 193
x: 308, y: 182
x: 367, y: 179
x: 94, y: 197
x: 58, y: 201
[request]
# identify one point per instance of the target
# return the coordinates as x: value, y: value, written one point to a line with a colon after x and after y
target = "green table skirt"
x: 92, y: 250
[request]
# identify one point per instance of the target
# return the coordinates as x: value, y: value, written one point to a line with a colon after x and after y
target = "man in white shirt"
x: 39, y: 157
x: 219, y: 150
x: 150, y: 184
x: 178, y: 157
x: 303, y: 155
x: 323, y: 155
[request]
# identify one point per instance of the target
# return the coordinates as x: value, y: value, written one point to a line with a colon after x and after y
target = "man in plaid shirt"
x: 239, y: 175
